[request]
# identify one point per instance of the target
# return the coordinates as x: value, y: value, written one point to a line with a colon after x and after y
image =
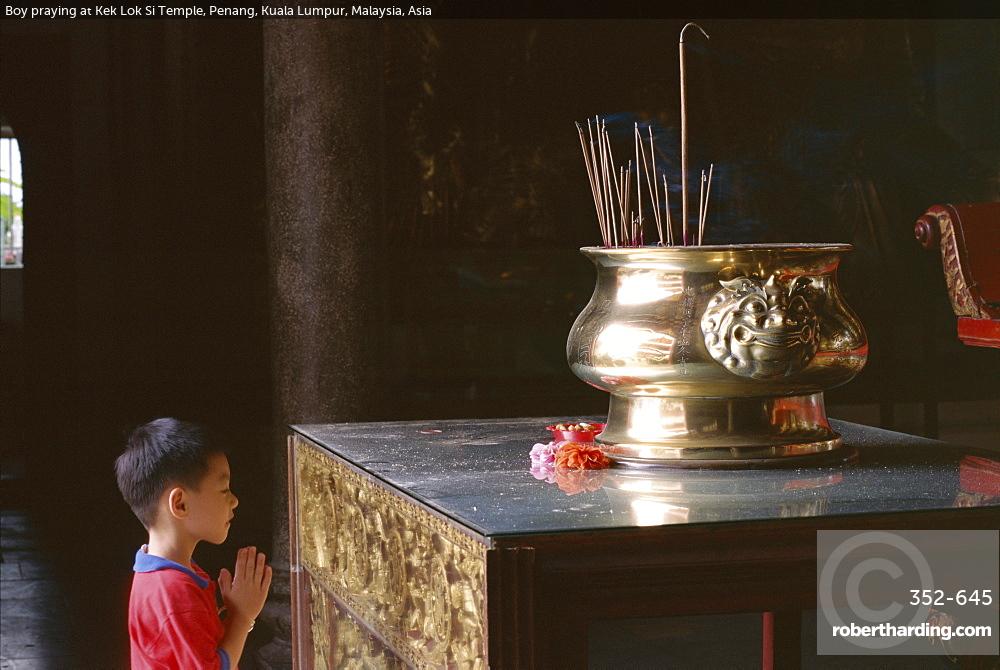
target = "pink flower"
x: 546, y: 473
x: 544, y: 454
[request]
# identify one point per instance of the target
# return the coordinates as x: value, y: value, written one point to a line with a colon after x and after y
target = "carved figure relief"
x: 419, y: 582
x: 319, y: 620
x: 761, y: 329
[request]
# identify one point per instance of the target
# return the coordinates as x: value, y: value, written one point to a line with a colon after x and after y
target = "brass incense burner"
x: 716, y: 355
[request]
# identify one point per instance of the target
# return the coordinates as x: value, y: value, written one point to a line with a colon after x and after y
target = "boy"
x: 177, y: 483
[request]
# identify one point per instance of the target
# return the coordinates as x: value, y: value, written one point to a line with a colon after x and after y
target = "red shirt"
x: 173, y: 620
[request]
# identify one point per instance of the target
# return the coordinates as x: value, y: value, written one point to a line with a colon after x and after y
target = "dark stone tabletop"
x: 478, y: 473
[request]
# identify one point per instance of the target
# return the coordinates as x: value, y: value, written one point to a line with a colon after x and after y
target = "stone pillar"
x: 324, y: 152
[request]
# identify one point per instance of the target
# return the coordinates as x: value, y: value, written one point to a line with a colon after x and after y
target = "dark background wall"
x: 145, y: 290
x: 146, y: 265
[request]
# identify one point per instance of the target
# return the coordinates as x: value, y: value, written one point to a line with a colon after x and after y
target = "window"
x: 11, y: 200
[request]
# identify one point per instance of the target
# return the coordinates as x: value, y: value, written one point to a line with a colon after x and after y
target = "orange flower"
x: 581, y: 456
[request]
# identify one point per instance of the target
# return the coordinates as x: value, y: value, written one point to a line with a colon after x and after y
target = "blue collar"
x: 146, y: 562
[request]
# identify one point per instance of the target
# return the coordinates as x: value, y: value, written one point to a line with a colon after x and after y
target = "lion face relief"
x: 761, y: 329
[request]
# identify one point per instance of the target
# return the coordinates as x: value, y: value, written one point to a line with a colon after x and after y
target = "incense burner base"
x: 714, y: 432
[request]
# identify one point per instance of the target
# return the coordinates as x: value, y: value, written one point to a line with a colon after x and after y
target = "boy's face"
x: 210, y: 508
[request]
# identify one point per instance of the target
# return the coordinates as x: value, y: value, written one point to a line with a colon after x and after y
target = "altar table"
x: 432, y: 544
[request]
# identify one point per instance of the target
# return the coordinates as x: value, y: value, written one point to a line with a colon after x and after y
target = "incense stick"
x: 650, y: 186
x: 612, y: 193
x: 628, y: 190
x: 611, y: 166
x: 656, y: 186
x: 701, y: 203
x: 590, y: 178
x: 598, y: 184
x: 620, y: 226
x: 610, y: 210
x: 666, y: 206
x: 602, y: 181
x: 704, y: 211
x: 638, y: 181
x: 601, y: 190
x: 592, y: 166
x: 621, y: 183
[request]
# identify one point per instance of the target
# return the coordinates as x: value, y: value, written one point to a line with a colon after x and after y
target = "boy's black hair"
x: 160, y: 453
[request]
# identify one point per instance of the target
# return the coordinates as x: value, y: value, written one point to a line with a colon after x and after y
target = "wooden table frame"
x: 580, y: 577
x: 669, y: 571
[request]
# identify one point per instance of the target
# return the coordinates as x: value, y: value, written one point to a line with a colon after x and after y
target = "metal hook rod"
x: 684, y: 134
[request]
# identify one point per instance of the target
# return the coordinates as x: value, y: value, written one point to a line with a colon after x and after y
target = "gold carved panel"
x: 340, y: 643
x: 320, y: 626
x: 418, y: 582
x: 963, y: 302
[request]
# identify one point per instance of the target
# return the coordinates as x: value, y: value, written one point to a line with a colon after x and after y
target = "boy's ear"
x: 176, y: 503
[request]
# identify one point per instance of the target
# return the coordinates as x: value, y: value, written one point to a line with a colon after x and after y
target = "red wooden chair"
x: 969, y: 239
